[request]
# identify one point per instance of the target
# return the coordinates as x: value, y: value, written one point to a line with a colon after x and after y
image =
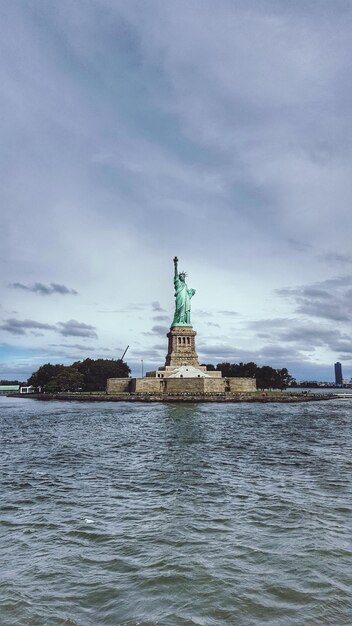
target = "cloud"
x: 156, y: 306
x: 77, y: 346
x: 273, y: 355
x: 158, y: 330
x: 73, y: 328
x: 269, y: 324
x: 67, y: 329
x: 330, y: 299
x: 161, y: 347
x: 161, y: 318
x: 329, y: 311
x: 201, y: 313
x: 307, y: 336
x: 335, y: 258
x: 19, y: 327
x: 148, y: 353
x: 229, y: 313
x: 129, y: 308
x: 45, y: 290
x: 298, y: 245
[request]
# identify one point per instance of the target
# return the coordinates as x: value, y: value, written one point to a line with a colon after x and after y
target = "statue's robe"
x: 183, y: 297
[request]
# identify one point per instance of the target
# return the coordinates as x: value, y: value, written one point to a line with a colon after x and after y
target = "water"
x: 175, y: 514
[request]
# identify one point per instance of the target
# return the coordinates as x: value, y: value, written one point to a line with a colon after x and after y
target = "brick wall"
x: 180, y: 385
x: 238, y: 385
x: 118, y: 385
x: 146, y: 385
x: 214, y: 385
x: 185, y: 385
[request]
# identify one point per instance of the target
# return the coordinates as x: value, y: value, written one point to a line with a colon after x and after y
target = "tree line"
x: 91, y: 375
x: 267, y: 377
x: 87, y: 375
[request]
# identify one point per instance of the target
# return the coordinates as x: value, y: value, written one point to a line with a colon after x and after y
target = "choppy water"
x: 175, y: 514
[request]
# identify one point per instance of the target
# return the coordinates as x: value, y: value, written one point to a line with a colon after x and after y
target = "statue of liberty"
x: 183, y: 297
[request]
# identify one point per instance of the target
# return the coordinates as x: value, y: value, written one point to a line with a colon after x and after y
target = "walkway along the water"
x: 264, y: 397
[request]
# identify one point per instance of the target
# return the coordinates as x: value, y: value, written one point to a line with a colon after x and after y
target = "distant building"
x: 6, y: 390
x: 338, y: 374
x: 29, y: 389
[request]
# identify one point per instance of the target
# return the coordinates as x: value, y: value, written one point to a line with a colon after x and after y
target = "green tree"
x: 93, y: 375
x: 266, y: 377
x: 226, y: 368
x: 67, y: 379
x: 284, y: 379
x: 11, y: 382
x: 250, y: 369
x: 238, y: 370
x: 96, y: 372
x: 44, y: 375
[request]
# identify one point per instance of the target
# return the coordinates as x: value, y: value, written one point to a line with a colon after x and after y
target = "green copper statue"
x: 183, y: 297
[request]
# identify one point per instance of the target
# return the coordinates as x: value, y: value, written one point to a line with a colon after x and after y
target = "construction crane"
x: 124, y: 353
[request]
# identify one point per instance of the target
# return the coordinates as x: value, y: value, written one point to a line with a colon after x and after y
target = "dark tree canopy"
x: 87, y: 375
x: 210, y: 367
x: 96, y: 372
x: 267, y: 377
x: 44, y: 375
x: 68, y: 379
x: 245, y: 370
x: 11, y: 382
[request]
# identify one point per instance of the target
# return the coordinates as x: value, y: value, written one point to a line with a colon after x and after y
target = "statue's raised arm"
x: 176, y: 267
x: 183, y: 297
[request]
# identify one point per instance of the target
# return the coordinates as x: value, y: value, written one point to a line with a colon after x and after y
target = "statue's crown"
x: 184, y: 274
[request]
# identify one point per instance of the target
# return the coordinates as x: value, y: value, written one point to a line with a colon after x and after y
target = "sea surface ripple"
x: 175, y: 514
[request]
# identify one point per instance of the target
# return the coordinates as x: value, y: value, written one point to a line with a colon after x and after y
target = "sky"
x: 135, y: 131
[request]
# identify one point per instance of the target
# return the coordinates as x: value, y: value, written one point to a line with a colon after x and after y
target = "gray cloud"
x: 270, y: 354
x: 77, y: 346
x: 307, y: 336
x: 19, y: 327
x: 67, y: 329
x: 160, y: 346
x: 161, y: 318
x: 335, y: 258
x: 45, y: 290
x: 329, y: 311
x: 158, y: 330
x: 298, y: 358
x: 276, y: 322
x: 201, y: 313
x: 73, y: 328
x: 156, y: 306
x: 151, y: 357
x: 129, y: 308
x: 330, y: 299
x: 148, y: 353
x: 229, y: 313
x: 298, y: 245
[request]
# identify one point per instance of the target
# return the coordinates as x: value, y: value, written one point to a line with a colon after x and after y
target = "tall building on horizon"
x: 338, y: 374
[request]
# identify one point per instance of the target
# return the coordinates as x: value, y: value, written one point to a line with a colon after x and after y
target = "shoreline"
x: 181, y: 398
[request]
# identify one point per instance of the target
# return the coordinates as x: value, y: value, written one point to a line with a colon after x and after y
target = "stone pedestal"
x: 182, y: 347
